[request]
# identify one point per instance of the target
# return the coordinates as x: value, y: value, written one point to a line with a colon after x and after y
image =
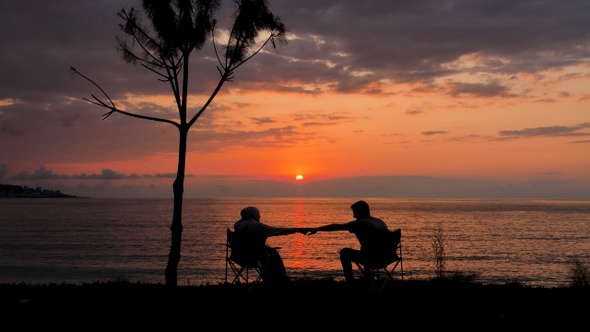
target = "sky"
x: 382, y: 98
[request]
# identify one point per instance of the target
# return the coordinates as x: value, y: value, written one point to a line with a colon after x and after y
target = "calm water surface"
x: 84, y: 240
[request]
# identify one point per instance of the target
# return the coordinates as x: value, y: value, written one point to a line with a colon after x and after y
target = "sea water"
x: 86, y: 240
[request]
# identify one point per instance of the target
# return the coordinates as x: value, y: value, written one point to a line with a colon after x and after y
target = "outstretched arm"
x: 330, y: 228
x: 278, y: 231
x: 333, y: 227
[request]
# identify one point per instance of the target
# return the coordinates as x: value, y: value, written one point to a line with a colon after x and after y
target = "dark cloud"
x: 416, y: 40
x: 273, y: 137
x: 434, y: 132
x: 331, y: 43
x: 106, y: 174
x: 571, y: 131
x: 477, y: 89
x: 263, y: 120
x: 42, y: 173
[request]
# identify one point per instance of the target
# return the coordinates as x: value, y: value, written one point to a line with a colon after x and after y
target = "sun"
x: 299, y: 177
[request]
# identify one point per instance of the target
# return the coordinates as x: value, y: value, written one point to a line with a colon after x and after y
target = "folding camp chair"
x: 242, y: 258
x: 386, y: 257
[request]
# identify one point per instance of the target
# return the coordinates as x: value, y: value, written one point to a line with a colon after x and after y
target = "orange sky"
x: 420, y: 106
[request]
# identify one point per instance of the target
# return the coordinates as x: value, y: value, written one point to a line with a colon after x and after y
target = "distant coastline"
x: 15, y: 191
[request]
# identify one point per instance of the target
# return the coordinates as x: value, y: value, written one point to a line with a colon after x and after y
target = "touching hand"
x: 310, y: 231
x: 304, y: 230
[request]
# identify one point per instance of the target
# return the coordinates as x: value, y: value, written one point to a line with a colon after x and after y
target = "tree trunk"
x: 171, y: 273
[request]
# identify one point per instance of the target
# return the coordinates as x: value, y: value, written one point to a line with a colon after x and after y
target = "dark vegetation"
x: 318, y: 305
x: 14, y: 191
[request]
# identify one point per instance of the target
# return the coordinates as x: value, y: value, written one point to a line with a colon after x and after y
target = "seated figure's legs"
x: 347, y: 257
x: 274, y: 268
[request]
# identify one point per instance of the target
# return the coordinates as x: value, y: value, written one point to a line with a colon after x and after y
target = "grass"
x: 457, y: 303
x: 439, y: 241
x: 579, y: 274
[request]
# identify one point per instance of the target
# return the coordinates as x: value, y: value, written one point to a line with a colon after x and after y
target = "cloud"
x: 262, y: 120
x: 110, y: 183
x: 477, y: 89
x: 42, y: 173
x: 403, y: 42
x: 434, y: 132
x: 106, y: 174
x: 568, y: 131
x: 425, y: 40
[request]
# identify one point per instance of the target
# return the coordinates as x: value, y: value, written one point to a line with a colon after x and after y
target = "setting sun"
x: 299, y: 177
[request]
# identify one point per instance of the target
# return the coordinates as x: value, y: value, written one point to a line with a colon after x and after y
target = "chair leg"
x: 390, y: 275
x: 368, y: 275
x: 242, y: 275
x: 379, y: 278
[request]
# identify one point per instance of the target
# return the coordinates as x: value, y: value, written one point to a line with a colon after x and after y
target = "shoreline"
x: 324, y: 305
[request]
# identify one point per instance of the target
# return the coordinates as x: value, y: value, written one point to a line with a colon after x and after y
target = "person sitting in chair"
x: 363, y: 227
x: 250, y: 227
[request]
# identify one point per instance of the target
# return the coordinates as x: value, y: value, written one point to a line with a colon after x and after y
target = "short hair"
x: 360, y: 209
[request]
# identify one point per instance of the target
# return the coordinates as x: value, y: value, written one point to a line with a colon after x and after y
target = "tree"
x: 179, y: 27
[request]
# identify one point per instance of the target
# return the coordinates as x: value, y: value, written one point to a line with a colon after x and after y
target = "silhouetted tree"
x: 179, y: 27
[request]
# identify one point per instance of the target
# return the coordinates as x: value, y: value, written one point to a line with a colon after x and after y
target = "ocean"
x: 86, y: 240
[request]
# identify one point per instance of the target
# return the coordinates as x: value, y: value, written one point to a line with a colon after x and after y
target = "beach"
x: 318, y: 305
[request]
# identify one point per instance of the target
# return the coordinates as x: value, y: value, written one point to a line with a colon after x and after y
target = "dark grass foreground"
x: 314, y: 305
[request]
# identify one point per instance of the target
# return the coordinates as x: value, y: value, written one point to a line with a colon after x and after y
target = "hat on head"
x: 250, y: 212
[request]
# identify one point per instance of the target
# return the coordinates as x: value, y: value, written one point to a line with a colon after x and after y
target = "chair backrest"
x: 382, y: 247
x: 246, y: 250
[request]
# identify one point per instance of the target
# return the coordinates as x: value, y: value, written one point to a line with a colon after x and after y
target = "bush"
x: 580, y: 275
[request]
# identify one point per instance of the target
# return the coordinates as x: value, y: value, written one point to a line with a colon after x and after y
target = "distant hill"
x: 11, y: 191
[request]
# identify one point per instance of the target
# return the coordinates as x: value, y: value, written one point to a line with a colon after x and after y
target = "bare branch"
x: 227, y: 75
x: 94, y: 83
x: 271, y: 37
x: 165, y: 79
x: 145, y: 117
x: 215, y: 50
x: 99, y: 102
